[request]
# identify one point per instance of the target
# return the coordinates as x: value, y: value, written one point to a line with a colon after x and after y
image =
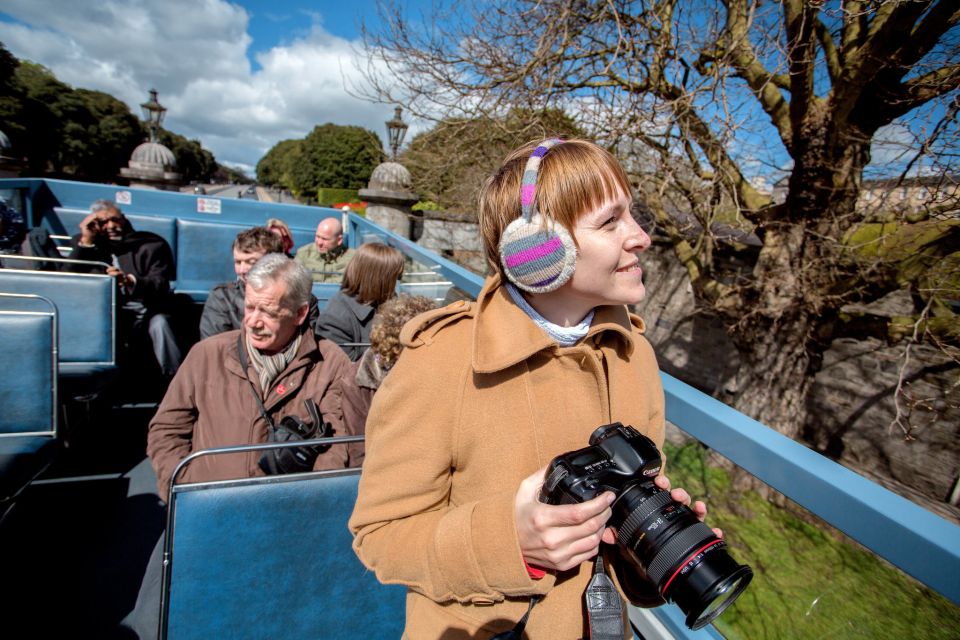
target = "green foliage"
x: 327, y: 196
x: 273, y: 169
x: 810, y: 582
x: 194, y: 163
x: 224, y: 174
x: 111, y: 133
x: 78, y: 133
x: 330, y: 157
x: 449, y: 162
x: 923, y: 256
x: 426, y: 205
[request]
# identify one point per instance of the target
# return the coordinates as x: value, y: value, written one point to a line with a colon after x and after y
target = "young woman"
x: 369, y: 372
x: 486, y: 394
x: 369, y: 280
x: 279, y: 227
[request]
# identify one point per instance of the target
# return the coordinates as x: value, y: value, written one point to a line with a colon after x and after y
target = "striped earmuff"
x: 538, y: 255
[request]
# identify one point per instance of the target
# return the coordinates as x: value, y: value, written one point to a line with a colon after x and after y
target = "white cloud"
x: 194, y: 52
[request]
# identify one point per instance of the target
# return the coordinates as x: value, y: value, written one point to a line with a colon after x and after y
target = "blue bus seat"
x: 86, y: 312
x: 204, y: 255
x: 28, y: 391
x: 66, y: 221
x: 323, y: 291
x: 271, y: 557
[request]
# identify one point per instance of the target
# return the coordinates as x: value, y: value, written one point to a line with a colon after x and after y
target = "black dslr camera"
x: 291, y: 429
x: 683, y: 558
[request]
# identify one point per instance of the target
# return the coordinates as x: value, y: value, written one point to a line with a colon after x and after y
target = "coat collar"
x: 360, y: 310
x: 503, y: 334
x: 307, y: 352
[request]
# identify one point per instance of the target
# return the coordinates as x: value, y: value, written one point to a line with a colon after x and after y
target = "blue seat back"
x: 323, y: 291
x: 204, y: 255
x: 271, y: 557
x: 28, y: 366
x: 86, y: 313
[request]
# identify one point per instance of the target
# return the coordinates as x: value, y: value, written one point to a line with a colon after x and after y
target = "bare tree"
x: 700, y: 99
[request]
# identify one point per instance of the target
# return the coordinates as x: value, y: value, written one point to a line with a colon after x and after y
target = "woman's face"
x: 608, y: 265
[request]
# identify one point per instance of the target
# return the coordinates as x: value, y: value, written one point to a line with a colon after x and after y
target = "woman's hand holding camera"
x: 680, y: 495
x: 559, y: 536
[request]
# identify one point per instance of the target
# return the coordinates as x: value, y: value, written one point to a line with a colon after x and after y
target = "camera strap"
x: 516, y: 633
x: 604, y: 607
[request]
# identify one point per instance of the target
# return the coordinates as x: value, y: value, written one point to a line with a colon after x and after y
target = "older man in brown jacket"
x: 215, y: 398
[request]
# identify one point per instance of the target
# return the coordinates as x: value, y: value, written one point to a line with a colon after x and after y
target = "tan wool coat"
x: 480, y: 399
x: 209, y: 403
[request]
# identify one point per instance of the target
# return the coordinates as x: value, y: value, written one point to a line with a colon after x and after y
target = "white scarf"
x: 565, y: 336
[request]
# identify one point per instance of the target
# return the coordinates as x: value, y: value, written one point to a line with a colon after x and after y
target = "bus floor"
x: 74, y: 547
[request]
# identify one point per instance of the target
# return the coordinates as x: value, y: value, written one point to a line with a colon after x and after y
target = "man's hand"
x: 124, y: 280
x: 89, y: 229
x: 559, y: 536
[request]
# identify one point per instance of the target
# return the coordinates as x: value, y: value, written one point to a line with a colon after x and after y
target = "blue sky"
x: 242, y: 75
x: 239, y: 76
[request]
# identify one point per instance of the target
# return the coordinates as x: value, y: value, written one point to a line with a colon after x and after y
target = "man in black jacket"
x: 223, y: 310
x: 143, y: 264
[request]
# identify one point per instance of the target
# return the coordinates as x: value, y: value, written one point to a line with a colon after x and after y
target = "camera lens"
x: 687, y: 562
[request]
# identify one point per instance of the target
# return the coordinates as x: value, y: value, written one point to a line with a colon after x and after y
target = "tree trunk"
x: 774, y: 376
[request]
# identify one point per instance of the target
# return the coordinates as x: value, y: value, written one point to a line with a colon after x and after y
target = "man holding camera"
x: 236, y: 387
x: 270, y: 380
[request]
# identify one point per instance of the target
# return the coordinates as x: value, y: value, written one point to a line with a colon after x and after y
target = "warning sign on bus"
x: 208, y: 205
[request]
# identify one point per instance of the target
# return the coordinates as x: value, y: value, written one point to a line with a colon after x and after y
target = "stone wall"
x: 852, y: 406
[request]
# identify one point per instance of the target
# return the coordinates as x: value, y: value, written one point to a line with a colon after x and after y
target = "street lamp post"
x: 153, y: 113
x: 396, y: 129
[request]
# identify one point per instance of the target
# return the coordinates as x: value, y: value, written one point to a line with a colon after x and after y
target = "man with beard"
x: 143, y: 265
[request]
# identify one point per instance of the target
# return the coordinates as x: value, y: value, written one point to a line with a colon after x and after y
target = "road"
x: 263, y: 194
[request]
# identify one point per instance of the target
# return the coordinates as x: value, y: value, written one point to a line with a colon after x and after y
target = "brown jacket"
x: 479, y: 400
x: 210, y: 404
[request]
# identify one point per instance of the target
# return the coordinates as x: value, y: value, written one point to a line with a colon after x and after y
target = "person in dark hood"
x: 12, y: 228
x: 143, y: 265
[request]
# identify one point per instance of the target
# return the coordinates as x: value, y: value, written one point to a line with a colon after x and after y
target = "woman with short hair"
x: 369, y: 280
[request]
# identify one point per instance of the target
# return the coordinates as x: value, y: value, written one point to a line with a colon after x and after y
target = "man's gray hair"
x: 104, y: 205
x: 274, y: 267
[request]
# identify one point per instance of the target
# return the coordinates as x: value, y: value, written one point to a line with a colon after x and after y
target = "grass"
x: 810, y: 581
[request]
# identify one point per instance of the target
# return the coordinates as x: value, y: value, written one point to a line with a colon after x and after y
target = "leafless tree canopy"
x: 700, y: 100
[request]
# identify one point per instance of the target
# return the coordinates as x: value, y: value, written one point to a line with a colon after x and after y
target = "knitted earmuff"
x: 537, y: 253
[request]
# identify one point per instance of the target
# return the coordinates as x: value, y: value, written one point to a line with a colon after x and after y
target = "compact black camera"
x: 682, y: 557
